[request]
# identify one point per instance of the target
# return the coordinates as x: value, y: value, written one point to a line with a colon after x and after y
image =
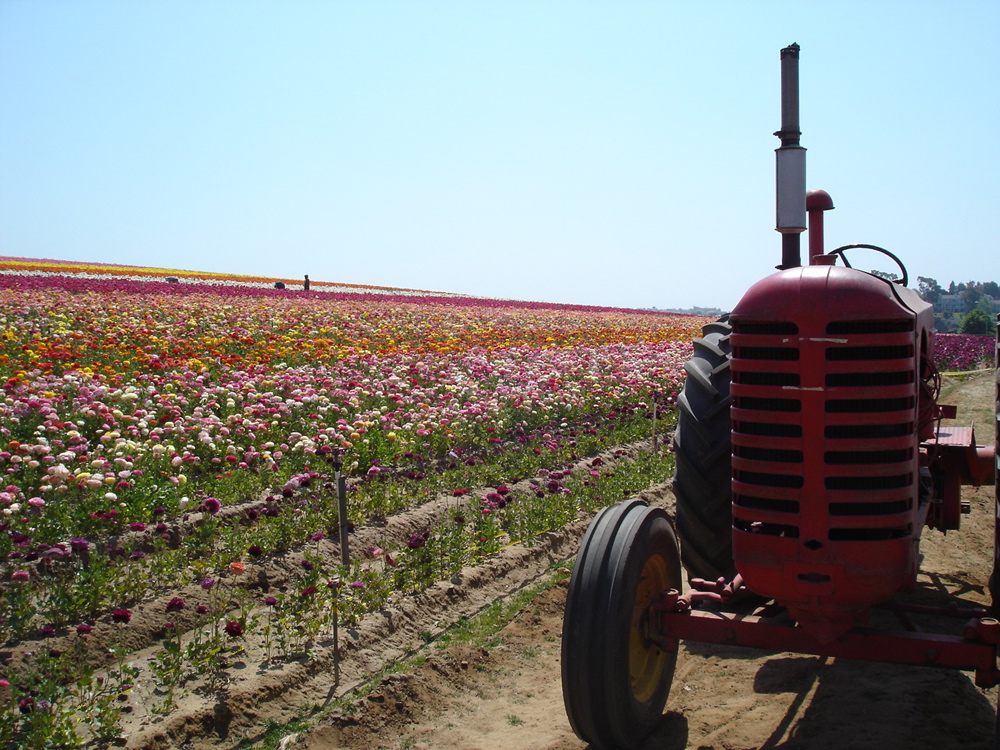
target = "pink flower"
x: 20, y: 575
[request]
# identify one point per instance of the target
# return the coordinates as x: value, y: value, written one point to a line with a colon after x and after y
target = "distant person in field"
x: 306, y: 285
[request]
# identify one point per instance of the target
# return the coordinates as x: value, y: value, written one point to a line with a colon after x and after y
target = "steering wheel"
x: 843, y: 256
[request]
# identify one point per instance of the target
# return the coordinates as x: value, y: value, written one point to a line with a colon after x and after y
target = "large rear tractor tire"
x: 703, y: 447
x: 615, y: 678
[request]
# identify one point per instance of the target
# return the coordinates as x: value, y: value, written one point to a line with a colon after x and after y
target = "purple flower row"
x: 959, y: 352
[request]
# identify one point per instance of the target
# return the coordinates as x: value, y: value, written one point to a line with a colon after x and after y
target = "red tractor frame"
x: 810, y: 456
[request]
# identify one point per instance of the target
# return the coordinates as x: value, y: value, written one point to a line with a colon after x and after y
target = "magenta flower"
x: 20, y: 575
x: 175, y: 605
x: 84, y: 629
x: 212, y: 505
x: 234, y: 629
x: 121, y: 615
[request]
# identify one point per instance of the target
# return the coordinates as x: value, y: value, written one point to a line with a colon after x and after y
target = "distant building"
x: 953, y: 303
x: 949, y: 303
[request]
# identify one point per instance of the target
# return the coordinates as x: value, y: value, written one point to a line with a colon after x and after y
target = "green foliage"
x: 977, y: 323
x: 929, y: 289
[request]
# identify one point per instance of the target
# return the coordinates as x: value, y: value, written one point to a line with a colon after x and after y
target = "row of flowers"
x: 81, y: 680
x: 47, y: 267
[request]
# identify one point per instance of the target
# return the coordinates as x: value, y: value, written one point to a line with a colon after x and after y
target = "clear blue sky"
x: 609, y: 153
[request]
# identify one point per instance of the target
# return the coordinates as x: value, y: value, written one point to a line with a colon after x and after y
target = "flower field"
x: 164, y: 443
x: 957, y: 352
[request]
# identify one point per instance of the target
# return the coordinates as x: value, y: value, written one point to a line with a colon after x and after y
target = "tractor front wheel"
x: 615, y: 678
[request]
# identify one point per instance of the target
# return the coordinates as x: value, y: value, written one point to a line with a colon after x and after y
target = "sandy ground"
x: 723, y: 697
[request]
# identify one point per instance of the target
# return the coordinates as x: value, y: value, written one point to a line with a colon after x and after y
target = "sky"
x: 599, y: 153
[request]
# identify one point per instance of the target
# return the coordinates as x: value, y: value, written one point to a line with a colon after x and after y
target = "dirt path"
x: 723, y: 697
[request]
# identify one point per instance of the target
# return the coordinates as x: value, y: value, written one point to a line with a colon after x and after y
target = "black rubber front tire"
x: 615, y: 679
x: 703, y: 447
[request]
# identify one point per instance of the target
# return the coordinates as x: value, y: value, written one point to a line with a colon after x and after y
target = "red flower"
x: 121, y: 615
x: 234, y: 629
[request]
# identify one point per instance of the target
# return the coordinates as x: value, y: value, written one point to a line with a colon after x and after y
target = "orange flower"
x: 237, y: 567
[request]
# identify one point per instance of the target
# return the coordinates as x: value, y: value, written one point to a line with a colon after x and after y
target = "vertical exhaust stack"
x: 791, y: 164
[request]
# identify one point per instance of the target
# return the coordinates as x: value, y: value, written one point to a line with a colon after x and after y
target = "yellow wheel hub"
x: 646, y: 659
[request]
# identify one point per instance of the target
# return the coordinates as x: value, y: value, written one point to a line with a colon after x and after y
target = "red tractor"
x: 810, y: 456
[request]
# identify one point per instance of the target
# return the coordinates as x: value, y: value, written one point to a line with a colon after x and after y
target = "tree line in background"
x: 971, y: 307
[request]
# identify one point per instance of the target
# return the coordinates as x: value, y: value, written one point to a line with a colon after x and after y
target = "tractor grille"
x: 823, y: 430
